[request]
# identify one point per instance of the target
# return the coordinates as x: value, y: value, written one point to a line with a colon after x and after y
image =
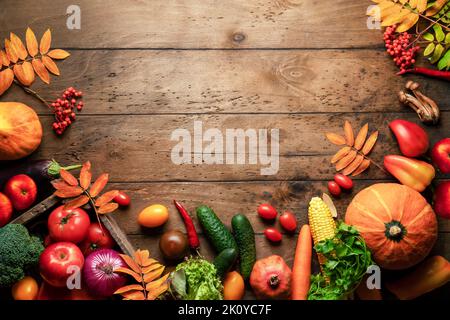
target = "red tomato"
x: 57, y: 263
x: 97, y: 238
x: 22, y: 191
x: 334, y: 188
x: 343, y: 181
x: 122, y: 199
x: 266, y: 211
x: 68, y: 225
x: 6, y: 210
x: 273, y: 235
x: 288, y: 221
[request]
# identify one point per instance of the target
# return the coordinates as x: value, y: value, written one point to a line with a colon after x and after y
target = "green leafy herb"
x: 347, y: 260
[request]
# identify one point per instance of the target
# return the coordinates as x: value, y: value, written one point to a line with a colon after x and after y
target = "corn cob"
x: 321, y: 222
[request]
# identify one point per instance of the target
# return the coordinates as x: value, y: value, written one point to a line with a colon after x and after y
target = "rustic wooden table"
x: 149, y: 67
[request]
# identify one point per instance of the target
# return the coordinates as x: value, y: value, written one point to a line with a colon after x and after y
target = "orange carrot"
x: 301, y: 270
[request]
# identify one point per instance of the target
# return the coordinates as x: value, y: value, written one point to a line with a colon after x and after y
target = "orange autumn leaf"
x: 58, y: 54
x: 41, y: 70
x: 68, y: 177
x: 370, y: 142
x: 361, y: 137
x: 133, y: 295
x: 85, y: 175
x: 11, y: 51
x: 24, y: 73
x: 46, y: 41
x: 345, y: 161
x: 68, y: 192
x: 106, y: 197
x: 128, y: 288
x: 18, y: 45
x: 6, y: 79
x: 50, y: 65
x: 131, y: 263
x: 362, y: 167
x: 154, y: 294
x: 77, y: 202
x: 32, y: 44
x: 59, y: 184
x: 155, y: 284
x: 4, y: 59
x: 348, y: 132
x: 149, y: 277
x: 151, y: 267
x: 130, y: 272
x: 335, y: 138
x: 353, y: 165
x: 108, y: 208
x: 99, y: 184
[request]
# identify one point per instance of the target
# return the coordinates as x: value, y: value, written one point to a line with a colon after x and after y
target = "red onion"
x: 99, y: 275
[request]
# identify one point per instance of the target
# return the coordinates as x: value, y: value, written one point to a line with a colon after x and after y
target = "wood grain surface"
x: 149, y: 67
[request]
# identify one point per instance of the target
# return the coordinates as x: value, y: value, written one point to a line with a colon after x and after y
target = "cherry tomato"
x: 267, y: 212
x: 334, y: 188
x: 288, y: 221
x: 153, y: 216
x: 25, y: 289
x: 343, y: 181
x: 273, y: 235
x: 68, y: 225
x: 122, y: 199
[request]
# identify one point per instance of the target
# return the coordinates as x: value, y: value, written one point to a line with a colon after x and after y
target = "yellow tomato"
x: 233, y: 286
x: 25, y: 289
x: 154, y: 216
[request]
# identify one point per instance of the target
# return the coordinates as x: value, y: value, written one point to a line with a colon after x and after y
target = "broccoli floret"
x: 18, y: 252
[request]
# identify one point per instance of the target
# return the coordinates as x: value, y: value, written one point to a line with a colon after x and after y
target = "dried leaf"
x: 58, y: 54
x: 4, y: 60
x: 131, y: 263
x: 348, y: 132
x: 32, y: 44
x: 108, y: 208
x: 46, y: 41
x: 11, y: 51
x: 106, y: 197
x: 18, y: 44
x: 345, y: 161
x: 77, y: 202
x: 50, y: 65
x: 133, y: 295
x: 68, y: 192
x: 436, y: 7
x: 370, y: 142
x: 362, y: 167
x: 6, y: 79
x: 408, y: 22
x: 141, y: 256
x: 149, y: 277
x: 335, y: 138
x: 157, y: 283
x: 155, y: 293
x: 130, y: 272
x: 149, y: 268
x: 361, y: 137
x: 24, y: 73
x: 59, y: 184
x: 68, y: 177
x: 340, y: 154
x: 99, y: 185
x: 85, y: 175
x: 329, y: 202
x: 354, y: 165
x: 128, y: 288
x: 40, y: 70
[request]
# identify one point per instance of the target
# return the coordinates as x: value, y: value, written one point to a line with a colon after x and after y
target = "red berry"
x: 334, y: 188
x: 122, y: 199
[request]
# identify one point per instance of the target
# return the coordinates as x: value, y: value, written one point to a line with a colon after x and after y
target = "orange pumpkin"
x: 20, y: 130
x: 397, y: 223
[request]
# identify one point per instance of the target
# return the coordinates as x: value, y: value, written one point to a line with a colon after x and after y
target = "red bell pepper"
x: 412, y: 138
x: 442, y: 199
x: 413, y: 173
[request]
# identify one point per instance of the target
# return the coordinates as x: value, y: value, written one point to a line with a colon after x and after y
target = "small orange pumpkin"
x: 20, y: 130
x: 397, y: 223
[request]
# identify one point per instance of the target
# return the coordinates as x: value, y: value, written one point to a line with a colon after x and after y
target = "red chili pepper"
x: 194, y: 243
x: 444, y: 75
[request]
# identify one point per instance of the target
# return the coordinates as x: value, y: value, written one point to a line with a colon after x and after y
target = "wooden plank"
x: 138, y: 148
x: 37, y: 210
x: 292, y: 81
x: 198, y: 24
x: 227, y: 199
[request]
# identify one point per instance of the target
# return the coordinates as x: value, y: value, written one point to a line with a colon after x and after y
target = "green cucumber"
x: 224, y: 261
x: 215, y: 230
x: 245, y: 238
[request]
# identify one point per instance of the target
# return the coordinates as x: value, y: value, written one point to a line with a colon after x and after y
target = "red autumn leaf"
x: 106, y: 197
x: 108, y: 208
x: 85, y: 175
x: 68, y: 177
x: 68, y: 192
x: 99, y: 185
x: 59, y: 184
x: 77, y: 202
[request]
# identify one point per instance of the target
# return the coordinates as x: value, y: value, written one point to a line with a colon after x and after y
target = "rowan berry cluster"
x: 64, y: 109
x: 398, y: 45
